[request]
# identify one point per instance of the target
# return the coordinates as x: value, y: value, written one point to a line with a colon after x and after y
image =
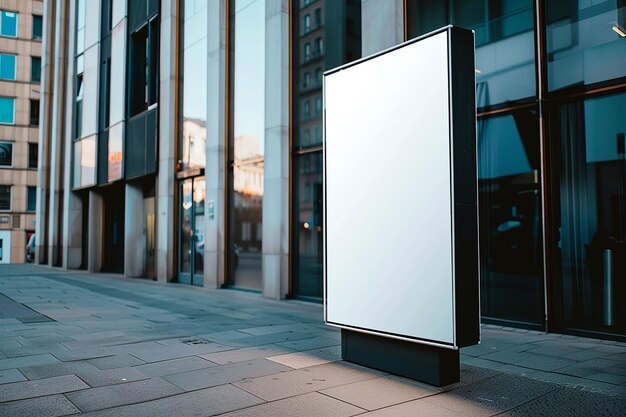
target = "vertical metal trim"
x: 177, y: 124
x: 546, y: 222
x: 227, y: 279
x: 405, y: 20
x: 451, y: 188
x: 291, y: 276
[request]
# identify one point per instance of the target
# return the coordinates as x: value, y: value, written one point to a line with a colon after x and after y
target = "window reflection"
x: 591, y: 219
x: 194, y: 107
x: 584, y: 42
x: 85, y: 162
x: 510, y: 217
x: 247, y: 43
x: 505, y: 42
x: 327, y: 33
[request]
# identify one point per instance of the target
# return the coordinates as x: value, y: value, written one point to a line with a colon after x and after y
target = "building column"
x: 48, y: 61
x: 134, y: 232
x: 168, y: 136
x: 94, y: 234
x: 55, y: 149
x: 215, y: 172
x: 382, y: 23
x: 276, y: 183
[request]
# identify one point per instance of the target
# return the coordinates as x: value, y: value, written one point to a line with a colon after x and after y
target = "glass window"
x: 308, y: 210
x: 115, y: 152
x: 588, y: 140
x: 194, y: 106
x: 247, y: 140
x: 33, y: 155
x: 6, y: 154
x: 585, y: 41
x: 7, y: 66
x: 311, y: 56
x: 505, y: 42
x: 34, y: 112
x: 7, y: 110
x: 8, y: 23
x: 85, y: 162
x: 5, y: 197
x: 37, y: 27
x: 35, y: 69
x: 31, y: 199
x: 510, y: 217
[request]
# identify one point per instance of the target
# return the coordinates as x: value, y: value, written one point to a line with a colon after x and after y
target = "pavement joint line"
x: 526, y: 402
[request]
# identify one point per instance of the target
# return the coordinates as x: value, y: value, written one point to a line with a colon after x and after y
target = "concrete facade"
x: 18, y: 221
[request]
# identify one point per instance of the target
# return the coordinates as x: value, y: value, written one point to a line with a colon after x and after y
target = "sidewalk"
x: 105, y: 346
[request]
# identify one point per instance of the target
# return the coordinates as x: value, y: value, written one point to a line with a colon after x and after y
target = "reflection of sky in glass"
x: 195, y: 60
x: 249, y: 69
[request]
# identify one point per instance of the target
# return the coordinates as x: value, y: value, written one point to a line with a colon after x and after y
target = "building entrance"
x: 191, y: 231
x: 114, y: 230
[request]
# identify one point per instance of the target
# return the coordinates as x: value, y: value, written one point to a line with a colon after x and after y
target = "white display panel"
x: 389, y: 238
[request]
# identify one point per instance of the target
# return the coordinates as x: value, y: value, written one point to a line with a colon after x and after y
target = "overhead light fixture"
x: 477, y: 71
x: 618, y: 29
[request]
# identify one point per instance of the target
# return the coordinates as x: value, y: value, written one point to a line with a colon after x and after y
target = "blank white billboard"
x: 389, y: 199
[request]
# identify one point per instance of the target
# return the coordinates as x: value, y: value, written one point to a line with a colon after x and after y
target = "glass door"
x: 191, y: 231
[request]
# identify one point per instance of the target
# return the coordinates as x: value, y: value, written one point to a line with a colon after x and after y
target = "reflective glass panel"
x: 586, y: 42
x: 326, y: 34
x: 7, y: 67
x: 247, y: 142
x: 7, y: 110
x: 591, y: 212
x: 505, y: 42
x: 510, y: 217
x: 198, y: 223
x: 115, y: 152
x: 309, y: 224
x: 192, y: 148
x: 186, y: 225
x: 85, y: 162
x: 8, y: 23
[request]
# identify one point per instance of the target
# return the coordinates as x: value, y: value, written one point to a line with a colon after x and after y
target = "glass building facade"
x: 211, y: 128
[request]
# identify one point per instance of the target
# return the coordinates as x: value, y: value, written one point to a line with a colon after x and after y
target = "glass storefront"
x: 590, y: 213
x: 510, y: 217
x: 505, y: 43
x: 326, y: 34
x: 246, y: 142
x: 191, y: 236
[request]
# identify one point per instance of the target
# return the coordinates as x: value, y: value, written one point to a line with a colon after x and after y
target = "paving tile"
x: 376, y: 393
x: 11, y: 375
x: 246, y: 354
x: 41, y: 387
x: 529, y: 360
x: 115, y: 395
x: 82, y: 354
x: 492, y: 395
x: 307, y: 405
x: 225, y: 374
x: 417, y: 408
x: 33, y: 360
x: 57, y: 369
x: 301, y: 381
x: 594, y: 366
x: 309, y: 358
x: 116, y: 361
x: 205, y: 402
x: 571, y: 402
x: 311, y: 343
x: 608, y: 377
x: 156, y: 352
x: 174, y: 366
x: 100, y: 378
x: 51, y: 406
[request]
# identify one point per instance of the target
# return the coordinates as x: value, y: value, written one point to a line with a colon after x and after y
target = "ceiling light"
x: 619, y: 30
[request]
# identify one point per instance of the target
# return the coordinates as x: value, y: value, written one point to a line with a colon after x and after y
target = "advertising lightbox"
x: 401, y: 228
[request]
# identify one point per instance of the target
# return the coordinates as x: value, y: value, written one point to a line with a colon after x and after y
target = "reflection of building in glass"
x: 194, y: 142
x: 550, y: 100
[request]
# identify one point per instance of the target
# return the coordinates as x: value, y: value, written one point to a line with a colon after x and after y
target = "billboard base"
x: 430, y: 364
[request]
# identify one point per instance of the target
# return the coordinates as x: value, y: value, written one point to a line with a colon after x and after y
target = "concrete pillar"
x: 94, y: 234
x: 276, y: 184
x: 48, y: 61
x: 134, y: 232
x: 215, y: 172
x: 72, y: 230
x: 382, y: 23
x: 167, y: 139
x: 54, y: 218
